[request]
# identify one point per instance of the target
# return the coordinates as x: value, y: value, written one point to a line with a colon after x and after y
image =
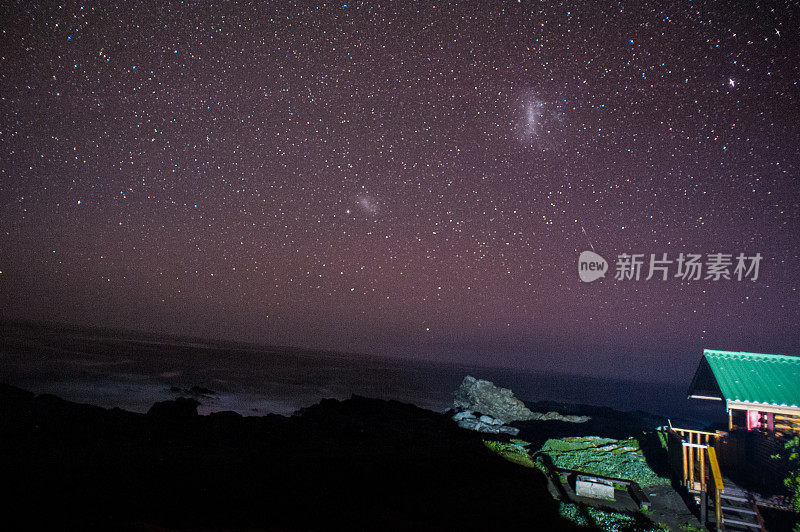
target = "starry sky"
x: 406, y: 179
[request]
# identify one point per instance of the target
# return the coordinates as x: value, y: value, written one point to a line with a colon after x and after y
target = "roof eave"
x: 706, y: 397
x: 762, y: 407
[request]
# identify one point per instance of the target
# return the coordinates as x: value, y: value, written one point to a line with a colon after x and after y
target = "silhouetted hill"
x: 357, y: 464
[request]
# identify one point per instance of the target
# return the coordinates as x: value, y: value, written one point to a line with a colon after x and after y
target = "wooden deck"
x: 732, y: 507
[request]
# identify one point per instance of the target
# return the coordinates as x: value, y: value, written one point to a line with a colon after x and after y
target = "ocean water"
x: 133, y: 373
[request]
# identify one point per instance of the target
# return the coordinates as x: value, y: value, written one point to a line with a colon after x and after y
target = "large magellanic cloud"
x: 537, y: 123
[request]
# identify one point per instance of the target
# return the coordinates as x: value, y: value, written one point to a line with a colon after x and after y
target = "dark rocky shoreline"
x: 357, y: 464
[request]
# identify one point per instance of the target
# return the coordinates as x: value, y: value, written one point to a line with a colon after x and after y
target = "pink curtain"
x: 753, y: 420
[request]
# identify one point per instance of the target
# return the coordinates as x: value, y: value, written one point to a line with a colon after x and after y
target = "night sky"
x: 403, y: 179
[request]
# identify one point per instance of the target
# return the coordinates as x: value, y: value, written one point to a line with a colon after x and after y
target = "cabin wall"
x: 787, y: 425
x: 746, y: 458
x: 781, y: 424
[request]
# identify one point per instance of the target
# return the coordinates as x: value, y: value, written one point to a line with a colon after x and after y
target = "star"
x: 282, y: 149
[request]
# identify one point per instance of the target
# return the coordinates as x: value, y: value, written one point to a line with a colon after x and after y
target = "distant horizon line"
x: 189, y: 340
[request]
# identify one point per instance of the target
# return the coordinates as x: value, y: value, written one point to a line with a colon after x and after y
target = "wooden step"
x: 749, y: 511
x: 734, y: 491
x: 731, y: 521
x: 733, y: 498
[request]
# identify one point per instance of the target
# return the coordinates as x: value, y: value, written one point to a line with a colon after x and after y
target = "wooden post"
x: 685, y: 470
x: 730, y: 419
x: 691, y: 464
x: 703, y: 463
x: 704, y: 508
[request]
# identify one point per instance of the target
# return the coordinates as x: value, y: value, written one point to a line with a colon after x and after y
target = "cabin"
x: 726, y: 471
x: 760, y: 392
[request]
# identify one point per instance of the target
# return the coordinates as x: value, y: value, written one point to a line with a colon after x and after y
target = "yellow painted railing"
x: 716, y: 479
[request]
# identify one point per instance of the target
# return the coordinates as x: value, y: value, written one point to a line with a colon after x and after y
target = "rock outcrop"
x: 555, y: 416
x: 468, y: 420
x: 484, y: 407
x: 476, y: 395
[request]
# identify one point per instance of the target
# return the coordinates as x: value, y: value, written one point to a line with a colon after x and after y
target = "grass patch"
x: 605, y: 519
x: 603, y: 456
x: 513, y: 451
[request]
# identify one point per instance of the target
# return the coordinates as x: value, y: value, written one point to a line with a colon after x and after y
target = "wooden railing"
x: 693, y: 445
x: 698, y: 476
x: 717, y: 485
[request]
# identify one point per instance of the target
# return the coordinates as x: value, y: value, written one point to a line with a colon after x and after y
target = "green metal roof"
x: 754, y: 377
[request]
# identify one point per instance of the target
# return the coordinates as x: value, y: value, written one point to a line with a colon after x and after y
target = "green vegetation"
x: 792, y: 456
x: 603, y: 456
x: 592, y: 454
x: 514, y: 451
x: 604, y: 519
x: 662, y: 439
